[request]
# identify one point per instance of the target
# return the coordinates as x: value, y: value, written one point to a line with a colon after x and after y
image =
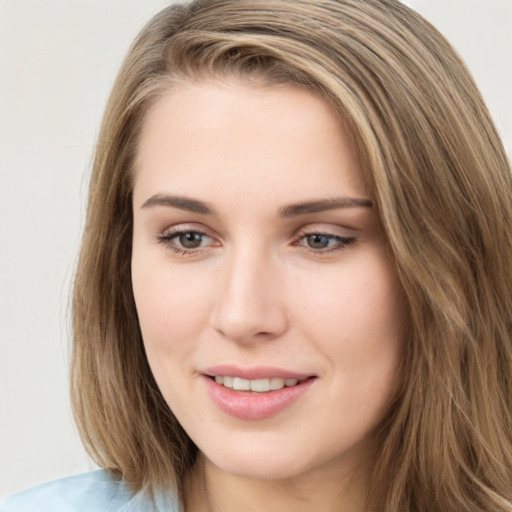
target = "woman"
x: 294, y: 288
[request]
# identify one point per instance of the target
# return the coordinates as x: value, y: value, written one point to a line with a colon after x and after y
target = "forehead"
x: 213, y: 137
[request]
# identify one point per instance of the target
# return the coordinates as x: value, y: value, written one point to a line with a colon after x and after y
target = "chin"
x: 257, y: 463
x: 258, y: 471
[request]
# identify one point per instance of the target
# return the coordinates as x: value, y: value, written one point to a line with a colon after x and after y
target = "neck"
x: 210, y: 489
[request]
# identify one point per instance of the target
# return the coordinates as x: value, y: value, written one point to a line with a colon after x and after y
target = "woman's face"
x: 271, y: 314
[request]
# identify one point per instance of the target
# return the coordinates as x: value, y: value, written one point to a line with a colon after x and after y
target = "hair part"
x: 442, y: 188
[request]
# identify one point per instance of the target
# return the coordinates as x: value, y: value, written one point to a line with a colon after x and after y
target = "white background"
x: 57, y: 62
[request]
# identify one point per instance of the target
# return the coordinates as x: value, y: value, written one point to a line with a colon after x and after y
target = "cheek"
x: 172, y: 310
x: 356, y: 317
x: 353, y: 299
x: 172, y: 305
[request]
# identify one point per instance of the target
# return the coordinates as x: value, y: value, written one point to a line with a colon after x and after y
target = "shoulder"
x: 89, y: 492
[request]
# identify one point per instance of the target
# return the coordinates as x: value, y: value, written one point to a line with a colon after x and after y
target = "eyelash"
x: 341, y: 242
x: 167, y: 238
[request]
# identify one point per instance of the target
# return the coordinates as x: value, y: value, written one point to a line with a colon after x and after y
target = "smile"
x: 256, y: 398
x: 256, y: 385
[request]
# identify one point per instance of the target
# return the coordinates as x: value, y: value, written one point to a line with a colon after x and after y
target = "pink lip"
x: 253, y: 406
x: 258, y: 372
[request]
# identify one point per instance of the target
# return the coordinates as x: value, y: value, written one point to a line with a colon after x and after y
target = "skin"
x: 260, y: 290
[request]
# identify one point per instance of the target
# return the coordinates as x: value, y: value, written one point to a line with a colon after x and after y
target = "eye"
x: 185, y: 241
x: 190, y: 239
x: 325, y: 242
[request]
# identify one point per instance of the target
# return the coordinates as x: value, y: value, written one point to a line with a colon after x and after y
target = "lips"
x: 257, y: 393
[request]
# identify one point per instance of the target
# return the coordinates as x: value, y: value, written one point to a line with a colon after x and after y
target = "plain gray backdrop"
x: 58, y: 59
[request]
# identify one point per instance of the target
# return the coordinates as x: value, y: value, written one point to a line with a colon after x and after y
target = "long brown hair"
x: 442, y: 186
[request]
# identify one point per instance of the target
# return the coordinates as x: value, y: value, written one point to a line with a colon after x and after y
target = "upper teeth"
x: 258, y: 385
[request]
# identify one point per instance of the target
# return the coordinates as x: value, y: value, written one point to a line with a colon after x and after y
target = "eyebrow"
x: 182, y: 203
x: 292, y: 210
x: 323, y: 205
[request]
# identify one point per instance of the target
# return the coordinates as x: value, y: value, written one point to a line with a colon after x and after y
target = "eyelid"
x: 185, y: 227
x: 327, y: 229
x: 344, y: 241
x: 166, y: 237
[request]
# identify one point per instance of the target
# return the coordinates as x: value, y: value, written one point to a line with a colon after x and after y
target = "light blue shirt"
x: 97, y: 491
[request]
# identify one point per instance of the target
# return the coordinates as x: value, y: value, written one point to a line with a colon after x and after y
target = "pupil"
x: 318, y: 241
x: 190, y: 240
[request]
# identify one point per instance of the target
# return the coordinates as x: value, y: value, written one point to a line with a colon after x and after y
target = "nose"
x: 250, y: 305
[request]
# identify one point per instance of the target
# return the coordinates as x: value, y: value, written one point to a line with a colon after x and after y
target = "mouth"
x: 264, y: 385
x: 256, y: 394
